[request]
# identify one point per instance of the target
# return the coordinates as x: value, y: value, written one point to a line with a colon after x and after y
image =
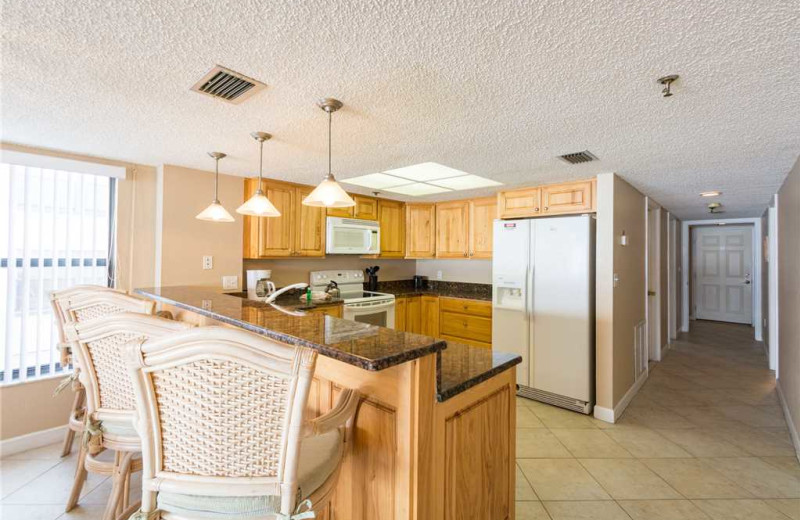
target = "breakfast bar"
x: 434, y: 436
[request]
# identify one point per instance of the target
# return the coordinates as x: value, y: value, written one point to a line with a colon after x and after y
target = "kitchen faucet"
x: 272, y: 297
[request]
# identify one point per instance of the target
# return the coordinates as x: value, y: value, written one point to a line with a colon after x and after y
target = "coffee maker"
x: 259, y: 285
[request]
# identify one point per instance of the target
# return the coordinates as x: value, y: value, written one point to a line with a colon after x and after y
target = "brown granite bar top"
x: 370, y: 347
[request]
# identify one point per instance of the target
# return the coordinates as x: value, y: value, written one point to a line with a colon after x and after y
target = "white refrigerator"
x: 543, y: 306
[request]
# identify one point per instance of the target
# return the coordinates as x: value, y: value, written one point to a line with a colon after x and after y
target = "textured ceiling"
x: 494, y: 88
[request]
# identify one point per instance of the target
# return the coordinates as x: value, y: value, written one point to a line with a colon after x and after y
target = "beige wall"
x: 471, y: 271
x: 31, y: 407
x: 620, y: 207
x: 789, y: 294
x: 185, y: 240
x: 288, y: 271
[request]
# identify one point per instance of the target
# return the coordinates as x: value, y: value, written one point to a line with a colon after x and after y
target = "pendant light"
x: 259, y: 205
x: 215, y: 212
x: 329, y: 194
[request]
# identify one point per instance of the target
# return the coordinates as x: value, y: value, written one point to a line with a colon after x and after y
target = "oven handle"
x: 370, y: 306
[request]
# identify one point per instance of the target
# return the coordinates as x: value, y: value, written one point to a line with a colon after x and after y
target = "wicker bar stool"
x: 59, y: 301
x: 110, y: 402
x: 220, y: 413
x: 85, y: 306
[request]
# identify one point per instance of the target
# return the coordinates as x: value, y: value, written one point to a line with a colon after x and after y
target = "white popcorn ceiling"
x: 494, y: 88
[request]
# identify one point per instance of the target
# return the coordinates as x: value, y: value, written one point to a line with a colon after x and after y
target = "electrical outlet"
x: 230, y: 282
x: 438, y: 275
x: 208, y: 262
x: 616, y: 280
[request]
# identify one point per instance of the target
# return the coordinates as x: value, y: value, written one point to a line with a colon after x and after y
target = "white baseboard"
x: 33, y: 440
x: 611, y: 416
x: 788, y: 416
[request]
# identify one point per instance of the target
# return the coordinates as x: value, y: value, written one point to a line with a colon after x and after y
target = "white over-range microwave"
x: 352, y: 236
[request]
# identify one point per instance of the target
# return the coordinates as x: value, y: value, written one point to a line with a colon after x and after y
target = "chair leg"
x: 122, y: 467
x: 69, y: 437
x: 80, y: 478
x: 127, y: 512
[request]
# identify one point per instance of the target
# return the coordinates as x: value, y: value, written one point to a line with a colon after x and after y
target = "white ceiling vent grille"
x: 578, y: 157
x: 225, y: 84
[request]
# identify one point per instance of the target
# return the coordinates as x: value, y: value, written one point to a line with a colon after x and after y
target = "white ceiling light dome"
x: 328, y: 193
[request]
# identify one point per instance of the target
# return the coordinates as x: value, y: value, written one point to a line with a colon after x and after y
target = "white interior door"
x: 723, y: 270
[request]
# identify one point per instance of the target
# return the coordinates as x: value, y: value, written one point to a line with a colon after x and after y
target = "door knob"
x: 747, y: 282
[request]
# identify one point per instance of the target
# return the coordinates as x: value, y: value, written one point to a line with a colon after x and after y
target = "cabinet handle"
x: 546, y: 208
x: 535, y: 209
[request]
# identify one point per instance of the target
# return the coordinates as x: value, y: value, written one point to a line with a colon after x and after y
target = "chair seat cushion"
x: 319, y: 457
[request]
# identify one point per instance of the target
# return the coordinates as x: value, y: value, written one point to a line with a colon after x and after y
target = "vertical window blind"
x: 56, y: 229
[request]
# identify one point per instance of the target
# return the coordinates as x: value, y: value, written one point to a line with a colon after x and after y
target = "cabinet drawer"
x: 472, y: 307
x: 466, y: 341
x: 466, y: 326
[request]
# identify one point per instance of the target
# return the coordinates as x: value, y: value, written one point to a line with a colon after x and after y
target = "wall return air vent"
x: 225, y: 84
x: 578, y: 157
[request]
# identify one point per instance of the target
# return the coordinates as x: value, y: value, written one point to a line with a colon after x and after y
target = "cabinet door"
x: 392, y: 219
x: 481, y: 226
x: 572, y: 197
x: 413, y: 315
x: 366, y: 207
x: 309, y: 233
x: 420, y: 230
x: 430, y: 316
x: 400, y: 305
x: 276, y: 234
x: 452, y: 229
x: 519, y: 203
x: 341, y: 212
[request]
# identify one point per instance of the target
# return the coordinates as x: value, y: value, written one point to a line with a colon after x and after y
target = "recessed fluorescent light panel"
x: 417, y: 189
x: 465, y: 182
x: 427, y: 171
x: 711, y: 194
x: 430, y: 178
x: 376, y: 180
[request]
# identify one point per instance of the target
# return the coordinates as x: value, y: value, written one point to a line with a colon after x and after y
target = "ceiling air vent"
x: 578, y: 157
x: 227, y: 85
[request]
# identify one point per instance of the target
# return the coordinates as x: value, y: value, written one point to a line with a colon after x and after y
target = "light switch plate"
x: 230, y: 282
x: 438, y: 275
x: 208, y: 262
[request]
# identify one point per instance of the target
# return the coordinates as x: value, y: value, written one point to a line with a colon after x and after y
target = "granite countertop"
x: 370, y: 347
x: 469, y: 291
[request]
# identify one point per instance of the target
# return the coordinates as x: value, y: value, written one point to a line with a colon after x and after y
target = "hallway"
x: 704, y: 438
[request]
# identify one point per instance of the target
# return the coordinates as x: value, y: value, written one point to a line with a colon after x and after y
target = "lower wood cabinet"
x: 466, y: 321
x: 327, y: 310
x: 429, y: 313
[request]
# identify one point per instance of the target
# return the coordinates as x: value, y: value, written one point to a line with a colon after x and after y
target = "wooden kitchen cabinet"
x: 519, y: 203
x: 413, y: 315
x: 400, y: 306
x: 392, y: 220
x: 429, y: 315
x: 366, y: 208
x: 482, y: 213
x: 299, y: 231
x: 466, y: 321
x: 420, y: 230
x: 327, y: 310
x: 573, y: 197
x: 452, y: 229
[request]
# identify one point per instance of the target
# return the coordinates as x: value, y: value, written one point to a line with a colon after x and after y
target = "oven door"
x: 380, y: 313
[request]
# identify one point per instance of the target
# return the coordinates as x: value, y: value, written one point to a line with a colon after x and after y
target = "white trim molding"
x: 50, y: 162
x: 792, y: 428
x: 611, y: 416
x: 685, y: 269
x: 33, y: 440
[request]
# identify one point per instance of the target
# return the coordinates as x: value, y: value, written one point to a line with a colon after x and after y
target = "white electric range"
x: 361, y: 306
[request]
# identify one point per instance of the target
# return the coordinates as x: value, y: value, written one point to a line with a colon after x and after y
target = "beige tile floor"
x: 704, y: 439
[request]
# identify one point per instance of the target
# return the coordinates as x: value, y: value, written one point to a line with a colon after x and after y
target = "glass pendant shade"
x: 215, y: 212
x: 329, y: 195
x: 258, y: 206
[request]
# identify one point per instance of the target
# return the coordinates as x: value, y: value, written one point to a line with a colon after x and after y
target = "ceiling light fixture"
x: 259, y: 205
x: 215, y: 212
x: 667, y: 82
x: 715, y: 207
x: 328, y: 193
x: 710, y: 194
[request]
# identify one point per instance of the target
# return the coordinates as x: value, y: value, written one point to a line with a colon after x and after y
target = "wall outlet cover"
x: 438, y: 275
x: 208, y: 262
x: 230, y: 282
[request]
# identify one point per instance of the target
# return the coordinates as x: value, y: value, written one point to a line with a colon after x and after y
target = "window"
x: 55, y: 232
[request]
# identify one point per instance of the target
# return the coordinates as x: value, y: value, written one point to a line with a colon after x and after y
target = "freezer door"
x: 563, y: 307
x: 510, y: 274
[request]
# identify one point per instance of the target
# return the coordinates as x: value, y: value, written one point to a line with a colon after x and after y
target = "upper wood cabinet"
x: 420, y: 230
x: 567, y: 198
x: 452, y: 229
x: 366, y: 208
x: 482, y: 213
x: 553, y: 199
x: 299, y: 231
x: 519, y: 203
x: 392, y: 220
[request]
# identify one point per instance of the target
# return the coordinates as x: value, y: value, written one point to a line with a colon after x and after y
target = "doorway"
x: 722, y: 272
